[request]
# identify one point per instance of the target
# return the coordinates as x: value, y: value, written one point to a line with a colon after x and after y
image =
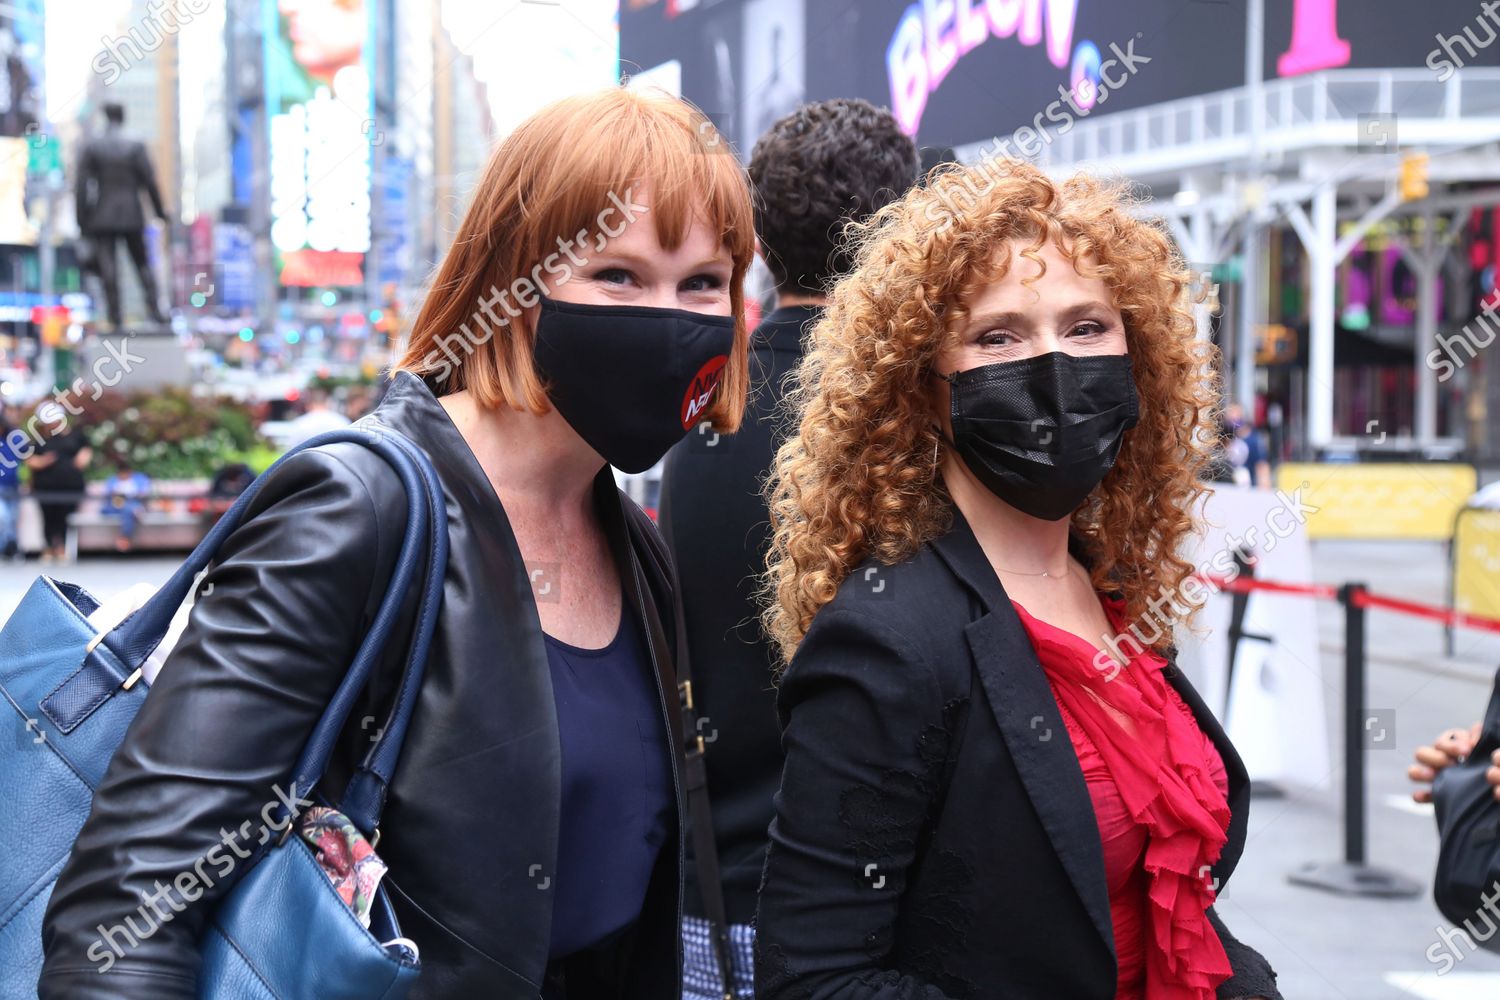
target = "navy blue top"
x: 617, y: 797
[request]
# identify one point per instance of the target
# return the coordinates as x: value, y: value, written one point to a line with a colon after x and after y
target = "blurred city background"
x: 1330, y: 167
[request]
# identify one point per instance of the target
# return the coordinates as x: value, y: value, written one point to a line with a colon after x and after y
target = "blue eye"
x: 613, y: 276
x: 702, y: 283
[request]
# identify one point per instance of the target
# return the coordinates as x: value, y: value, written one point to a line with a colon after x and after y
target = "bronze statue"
x: 113, y: 170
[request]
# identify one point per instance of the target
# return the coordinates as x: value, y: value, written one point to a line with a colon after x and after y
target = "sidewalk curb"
x: 1461, y: 670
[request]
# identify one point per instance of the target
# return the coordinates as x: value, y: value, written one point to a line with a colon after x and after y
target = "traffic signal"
x: 52, y: 323
x: 1413, y: 181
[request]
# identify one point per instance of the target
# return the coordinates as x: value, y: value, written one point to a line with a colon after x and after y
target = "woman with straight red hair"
x: 587, y: 314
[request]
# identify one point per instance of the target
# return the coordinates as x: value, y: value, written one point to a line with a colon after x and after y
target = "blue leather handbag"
x: 282, y: 931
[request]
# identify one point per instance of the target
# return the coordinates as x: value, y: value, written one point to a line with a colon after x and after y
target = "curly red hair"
x: 856, y: 475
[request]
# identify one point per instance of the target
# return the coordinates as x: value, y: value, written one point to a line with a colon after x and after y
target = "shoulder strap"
x: 700, y: 812
x: 424, y: 548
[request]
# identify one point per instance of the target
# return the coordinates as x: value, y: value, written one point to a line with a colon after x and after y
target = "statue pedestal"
x: 147, y: 358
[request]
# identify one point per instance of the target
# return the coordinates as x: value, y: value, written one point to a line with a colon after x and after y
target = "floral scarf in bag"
x: 346, y: 856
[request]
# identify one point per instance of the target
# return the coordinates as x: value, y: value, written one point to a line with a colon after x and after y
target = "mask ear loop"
x: 952, y: 380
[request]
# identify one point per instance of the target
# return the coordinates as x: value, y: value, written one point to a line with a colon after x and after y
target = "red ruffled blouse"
x: 1160, y: 792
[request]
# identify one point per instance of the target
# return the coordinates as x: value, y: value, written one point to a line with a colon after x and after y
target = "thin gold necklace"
x: 1067, y: 570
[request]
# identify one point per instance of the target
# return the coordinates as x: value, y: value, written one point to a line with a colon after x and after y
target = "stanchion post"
x: 1354, y: 723
x: 1352, y: 876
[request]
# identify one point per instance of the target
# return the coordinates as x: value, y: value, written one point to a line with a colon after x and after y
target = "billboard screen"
x: 321, y: 113
x: 962, y: 71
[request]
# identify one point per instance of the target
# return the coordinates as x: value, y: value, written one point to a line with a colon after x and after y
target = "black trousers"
x: 55, y: 522
x: 106, y: 263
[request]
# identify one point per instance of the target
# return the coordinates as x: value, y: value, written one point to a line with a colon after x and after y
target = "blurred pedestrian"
x: 357, y: 402
x: 57, y: 479
x: 229, y: 481
x: 125, y: 496
x: 1452, y: 746
x: 815, y: 170
x: 318, y: 416
x: 10, y: 480
x: 1239, y: 456
x: 996, y: 782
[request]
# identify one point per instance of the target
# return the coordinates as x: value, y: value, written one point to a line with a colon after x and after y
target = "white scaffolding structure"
x: 1311, y: 150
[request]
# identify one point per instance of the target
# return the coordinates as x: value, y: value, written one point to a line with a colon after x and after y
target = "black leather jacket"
x: 470, y: 826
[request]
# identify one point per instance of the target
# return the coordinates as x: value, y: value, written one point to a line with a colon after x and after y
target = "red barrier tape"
x: 1245, y: 584
x: 1365, y: 599
x: 1361, y: 598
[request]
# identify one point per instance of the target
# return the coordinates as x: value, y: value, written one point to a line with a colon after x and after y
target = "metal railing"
x: 1303, y: 112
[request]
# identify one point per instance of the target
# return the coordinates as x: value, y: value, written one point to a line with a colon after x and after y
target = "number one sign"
x: 1315, y: 39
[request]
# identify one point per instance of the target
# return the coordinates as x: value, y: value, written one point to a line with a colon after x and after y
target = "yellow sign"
x: 1476, y: 563
x: 1413, y: 179
x: 1416, y: 501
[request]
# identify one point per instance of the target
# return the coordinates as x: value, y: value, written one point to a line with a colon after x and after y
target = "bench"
x: 170, y: 521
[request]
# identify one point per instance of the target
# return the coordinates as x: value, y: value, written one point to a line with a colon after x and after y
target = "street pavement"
x: 1323, y: 946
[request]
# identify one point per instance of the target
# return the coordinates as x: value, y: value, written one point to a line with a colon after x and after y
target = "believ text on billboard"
x: 933, y: 35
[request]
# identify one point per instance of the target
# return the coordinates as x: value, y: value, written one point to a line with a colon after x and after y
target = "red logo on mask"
x: 701, y: 390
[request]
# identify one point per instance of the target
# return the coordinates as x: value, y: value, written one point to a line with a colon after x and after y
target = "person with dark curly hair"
x: 997, y: 783
x: 818, y: 168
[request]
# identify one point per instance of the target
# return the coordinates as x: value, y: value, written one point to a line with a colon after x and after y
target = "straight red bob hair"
x: 551, y: 184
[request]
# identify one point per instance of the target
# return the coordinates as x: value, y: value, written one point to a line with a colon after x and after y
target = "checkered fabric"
x: 700, y: 973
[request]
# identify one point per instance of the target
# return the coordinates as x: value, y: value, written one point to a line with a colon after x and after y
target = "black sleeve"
x: 148, y: 180
x: 268, y: 640
x: 83, y: 173
x: 1251, y: 976
x: 856, y: 791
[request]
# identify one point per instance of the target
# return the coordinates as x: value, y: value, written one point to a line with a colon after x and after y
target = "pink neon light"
x: 1315, y: 39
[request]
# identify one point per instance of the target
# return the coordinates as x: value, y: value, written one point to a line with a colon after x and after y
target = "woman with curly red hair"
x: 997, y: 783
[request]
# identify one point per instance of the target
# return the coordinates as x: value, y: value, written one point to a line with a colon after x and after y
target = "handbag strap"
x: 700, y: 810
x: 364, y: 798
x: 426, y: 535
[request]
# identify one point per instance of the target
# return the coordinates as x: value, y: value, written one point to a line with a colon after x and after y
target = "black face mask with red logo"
x: 631, y: 380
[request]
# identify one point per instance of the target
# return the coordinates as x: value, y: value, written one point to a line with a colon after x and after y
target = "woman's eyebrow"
x: 1087, y: 307
x: 1005, y: 319
x: 710, y: 262
x: 1019, y: 321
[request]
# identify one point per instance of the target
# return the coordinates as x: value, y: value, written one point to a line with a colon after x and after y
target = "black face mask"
x: 631, y: 380
x: 1041, y: 432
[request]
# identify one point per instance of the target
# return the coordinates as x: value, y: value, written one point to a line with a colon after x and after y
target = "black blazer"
x: 934, y: 837
x: 717, y: 528
x: 470, y: 825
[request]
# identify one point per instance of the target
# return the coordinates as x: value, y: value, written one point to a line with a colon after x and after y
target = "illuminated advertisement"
x: 962, y: 71
x: 321, y: 127
x: 26, y: 142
